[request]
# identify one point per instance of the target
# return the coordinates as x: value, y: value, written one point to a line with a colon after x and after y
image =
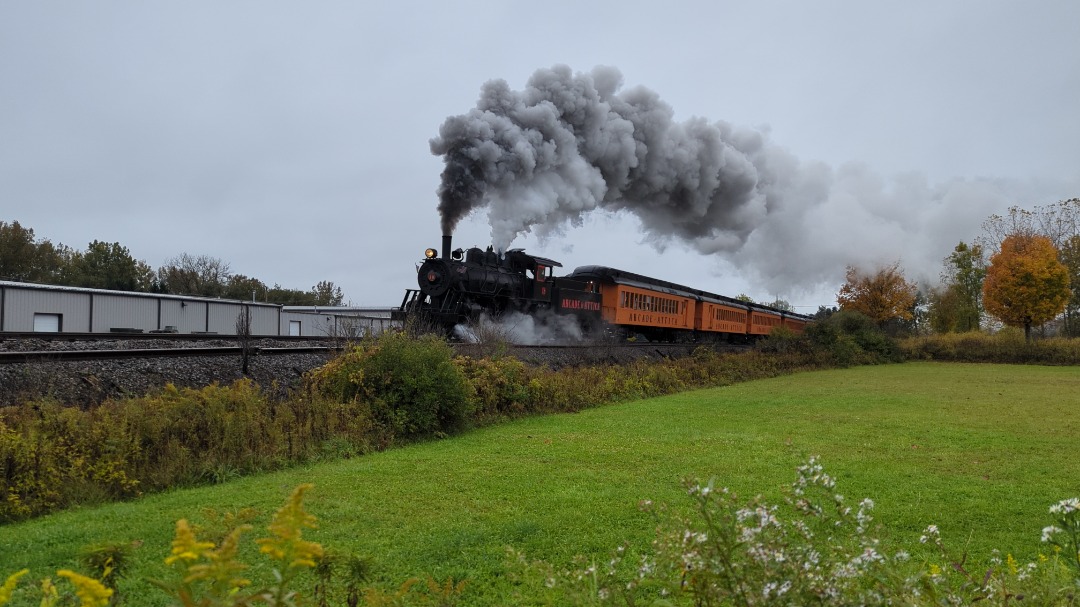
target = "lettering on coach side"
x: 577, y: 304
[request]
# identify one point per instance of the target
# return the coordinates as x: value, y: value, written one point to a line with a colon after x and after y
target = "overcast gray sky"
x: 291, y: 139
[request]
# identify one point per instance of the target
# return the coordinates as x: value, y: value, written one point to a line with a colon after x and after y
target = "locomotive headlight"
x: 431, y: 253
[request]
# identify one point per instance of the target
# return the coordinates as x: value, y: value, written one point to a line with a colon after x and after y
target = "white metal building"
x: 27, y: 307
x: 341, y: 321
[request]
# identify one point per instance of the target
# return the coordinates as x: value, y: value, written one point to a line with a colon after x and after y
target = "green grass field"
x: 980, y: 450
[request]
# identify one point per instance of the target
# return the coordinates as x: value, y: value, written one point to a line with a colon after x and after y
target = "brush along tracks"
x: 600, y: 353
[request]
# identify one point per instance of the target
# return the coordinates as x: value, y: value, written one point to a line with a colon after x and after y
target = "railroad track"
x: 39, y: 356
x: 141, y: 336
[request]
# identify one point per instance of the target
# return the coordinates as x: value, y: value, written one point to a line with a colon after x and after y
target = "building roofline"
x: 33, y: 286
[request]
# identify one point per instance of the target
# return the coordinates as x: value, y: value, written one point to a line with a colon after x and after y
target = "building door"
x: 46, y: 323
x: 294, y: 328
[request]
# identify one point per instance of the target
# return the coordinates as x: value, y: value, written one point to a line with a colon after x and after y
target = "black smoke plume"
x: 571, y: 143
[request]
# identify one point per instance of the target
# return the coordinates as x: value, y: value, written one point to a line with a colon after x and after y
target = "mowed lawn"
x: 980, y: 450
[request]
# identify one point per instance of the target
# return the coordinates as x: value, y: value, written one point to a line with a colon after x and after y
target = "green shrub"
x: 412, y: 386
x: 849, y: 338
x: 499, y: 386
x: 783, y: 340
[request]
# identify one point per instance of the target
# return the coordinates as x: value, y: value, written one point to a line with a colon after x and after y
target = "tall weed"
x: 53, y: 456
x: 1008, y: 346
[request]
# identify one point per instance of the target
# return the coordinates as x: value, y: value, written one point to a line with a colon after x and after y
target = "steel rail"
x: 123, y: 335
x: 38, y: 356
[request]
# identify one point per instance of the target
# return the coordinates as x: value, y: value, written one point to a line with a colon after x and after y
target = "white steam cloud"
x: 571, y: 143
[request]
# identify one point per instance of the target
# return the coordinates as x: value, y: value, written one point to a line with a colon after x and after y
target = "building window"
x: 47, y: 323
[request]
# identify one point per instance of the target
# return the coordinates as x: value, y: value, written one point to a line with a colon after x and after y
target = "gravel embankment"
x: 87, y: 382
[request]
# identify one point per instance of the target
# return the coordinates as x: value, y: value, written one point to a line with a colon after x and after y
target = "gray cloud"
x: 292, y: 140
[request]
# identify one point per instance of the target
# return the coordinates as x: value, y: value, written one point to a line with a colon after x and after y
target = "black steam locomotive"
x: 459, y: 286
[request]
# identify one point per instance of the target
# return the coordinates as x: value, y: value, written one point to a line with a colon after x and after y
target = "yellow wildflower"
x: 184, y: 546
x: 1011, y: 562
x: 9, y: 585
x: 221, y: 564
x: 287, y: 545
x: 934, y: 569
x: 91, y: 592
x: 49, y: 593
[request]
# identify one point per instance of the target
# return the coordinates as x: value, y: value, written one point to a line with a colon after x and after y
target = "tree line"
x: 104, y: 265
x: 1022, y: 271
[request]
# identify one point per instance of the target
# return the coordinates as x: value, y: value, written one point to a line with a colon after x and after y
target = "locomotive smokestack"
x: 446, y: 239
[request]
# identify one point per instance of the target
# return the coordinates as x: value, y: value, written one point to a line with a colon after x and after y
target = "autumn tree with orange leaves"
x: 883, y: 295
x: 1026, y: 284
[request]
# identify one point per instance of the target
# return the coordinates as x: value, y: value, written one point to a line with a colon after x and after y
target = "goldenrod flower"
x: 221, y: 564
x: 9, y: 585
x: 287, y: 545
x: 184, y: 546
x: 49, y: 593
x: 91, y: 592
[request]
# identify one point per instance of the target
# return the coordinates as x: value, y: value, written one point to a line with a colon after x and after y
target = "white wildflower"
x: 646, y: 567
x: 768, y: 589
x: 783, y: 588
x: 1066, y: 506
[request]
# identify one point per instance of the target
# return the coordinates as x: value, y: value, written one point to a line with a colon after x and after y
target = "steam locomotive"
x: 459, y: 286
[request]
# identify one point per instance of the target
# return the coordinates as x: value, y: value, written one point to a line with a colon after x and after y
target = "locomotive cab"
x: 537, y: 270
x: 541, y: 277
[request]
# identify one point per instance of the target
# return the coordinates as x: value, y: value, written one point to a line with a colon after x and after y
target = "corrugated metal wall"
x: 101, y: 311
x: 20, y: 305
x: 120, y: 312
